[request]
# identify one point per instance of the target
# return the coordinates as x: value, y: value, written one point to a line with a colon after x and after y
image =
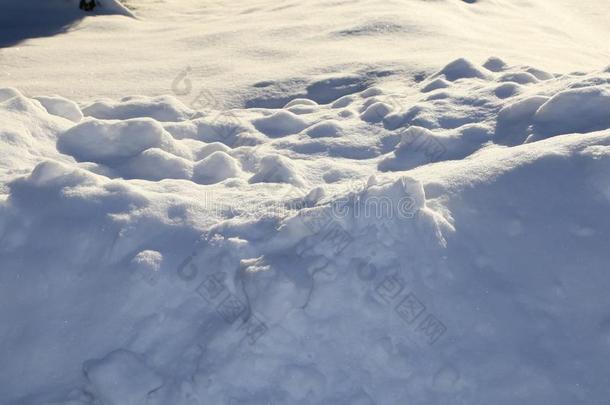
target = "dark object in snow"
x: 87, y: 5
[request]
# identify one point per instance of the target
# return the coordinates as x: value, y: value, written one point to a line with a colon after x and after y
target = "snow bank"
x: 167, y: 262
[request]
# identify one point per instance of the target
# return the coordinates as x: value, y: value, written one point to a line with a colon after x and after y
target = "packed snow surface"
x: 400, y: 230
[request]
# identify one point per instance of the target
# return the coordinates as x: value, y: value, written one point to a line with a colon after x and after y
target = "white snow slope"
x: 263, y: 52
x: 397, y: 231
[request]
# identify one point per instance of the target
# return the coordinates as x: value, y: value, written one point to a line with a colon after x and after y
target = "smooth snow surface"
x: 396, y: 209
x: 264, y: 53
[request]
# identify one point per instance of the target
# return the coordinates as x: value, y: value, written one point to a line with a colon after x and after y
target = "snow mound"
x: 222, y: 128
x: 147, y: 265
x: 55, y: 175
x: 27, y: 134
x: 342, y: 102
x: 328, y: 128
x: 301, y: 102
x: 514, y: 120
x: 215, y: 168
x: 518, y: 77
x: 280, y: 124
x: 8, y: 93
x: 507, y: 90
x: 109, y: 142
x: 156, y: 164
x: 419, y: 146
x: 207, y: 149
x: 585, y: 109
x: 435, y: 84
x: 376, y: 112
x: 495, y: 64
x: 163, y: 108
x: 461, y: 69
x: 61, y: 107
x: 277, y: 169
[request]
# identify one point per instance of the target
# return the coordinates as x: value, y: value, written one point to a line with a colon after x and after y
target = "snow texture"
x: 376, y: 210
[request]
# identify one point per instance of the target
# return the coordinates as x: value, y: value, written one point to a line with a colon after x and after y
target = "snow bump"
x: 280, y: 124
x: 215, y: 168
x: 110, y: 141
x: 579, y: 110
x: 461, y: 69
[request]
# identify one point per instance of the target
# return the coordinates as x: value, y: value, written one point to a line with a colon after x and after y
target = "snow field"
x: 380, y: 246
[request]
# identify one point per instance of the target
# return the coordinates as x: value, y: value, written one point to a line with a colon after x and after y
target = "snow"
x: 215, y: 168
x: 164, y: 108
x: 277, y: 169
x: 280, y: 124
x: 61, y: 107
x: 460, y: 69
x: 263, y: 54
x: 304, y: 203
x: 121, y: 378
x: 579, y: 110
x: 324, y: 129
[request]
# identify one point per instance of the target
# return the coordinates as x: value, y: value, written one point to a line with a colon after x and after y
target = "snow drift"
x: 447, y: 247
